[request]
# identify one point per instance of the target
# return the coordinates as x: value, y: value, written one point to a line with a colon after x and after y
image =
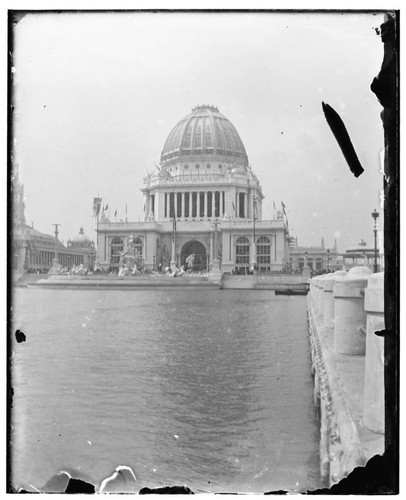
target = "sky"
x: 97, y: 94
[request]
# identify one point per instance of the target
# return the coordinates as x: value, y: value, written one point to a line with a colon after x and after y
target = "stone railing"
x: 345, y: 312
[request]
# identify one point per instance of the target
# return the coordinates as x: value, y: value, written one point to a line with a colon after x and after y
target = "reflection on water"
x: 211, y: 389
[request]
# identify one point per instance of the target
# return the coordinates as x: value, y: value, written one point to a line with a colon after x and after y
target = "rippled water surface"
x: 210, y: 389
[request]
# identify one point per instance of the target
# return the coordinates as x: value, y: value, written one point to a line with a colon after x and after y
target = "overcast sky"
x: 97, y: 94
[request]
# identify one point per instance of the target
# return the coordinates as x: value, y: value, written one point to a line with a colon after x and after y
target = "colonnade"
x: 196, y: 204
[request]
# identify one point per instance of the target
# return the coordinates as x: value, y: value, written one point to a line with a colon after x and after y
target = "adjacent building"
x: 34, y: 252
x: 318, y: 258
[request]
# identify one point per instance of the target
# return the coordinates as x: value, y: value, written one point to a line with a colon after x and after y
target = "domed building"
x: 82, y: 244
x: 203, y: 200
x: 35, y: 252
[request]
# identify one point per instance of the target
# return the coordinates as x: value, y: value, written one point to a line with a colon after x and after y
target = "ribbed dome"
x: 204, y: 134
x: 81, y: 239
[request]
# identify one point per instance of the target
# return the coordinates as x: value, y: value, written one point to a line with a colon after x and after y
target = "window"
x: 242, y: 250
x: 201, y: 204
x: 171, y: 205
x: 178, y: 204
x: 241, y: 199
x: 208, y: 141
x: 209, y: 203
x: 217, y: 204
x: 138, y: 245
x: 186, y: 207
x: 116, y: 248
x: 194, y: 204
x: 197, y: 142
x: 263, y: 250
x: 152, y: 203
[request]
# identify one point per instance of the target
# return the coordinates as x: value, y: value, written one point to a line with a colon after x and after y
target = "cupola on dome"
x: 81, y: 240
x: 204, y: 135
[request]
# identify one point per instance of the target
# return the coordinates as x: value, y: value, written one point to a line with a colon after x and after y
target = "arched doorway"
x: 200, y: 255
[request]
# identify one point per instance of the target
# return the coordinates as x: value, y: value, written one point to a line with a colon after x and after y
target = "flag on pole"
x: 283, y: 207
x: 115, y: 213
x: 126, y: 212
x: 274, y: 206
x: 96, y: 206
x: 233, y: 206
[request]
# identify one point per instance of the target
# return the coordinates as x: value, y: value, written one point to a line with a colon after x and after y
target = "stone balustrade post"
x: 312, y: 290
x: 321, y: 282
x: 349, y: 312
x: 328, y: 303
x: 374, y: 401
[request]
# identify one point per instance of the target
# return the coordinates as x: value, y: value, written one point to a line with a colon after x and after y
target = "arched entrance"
x: 200, y: 255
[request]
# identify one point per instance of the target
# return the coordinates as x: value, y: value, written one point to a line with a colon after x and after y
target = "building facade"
x: 320, y: 259
x: 34, y: 252
x: 203, y: 203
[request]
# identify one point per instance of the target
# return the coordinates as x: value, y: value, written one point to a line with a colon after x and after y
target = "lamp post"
x: 254, y: 252
x: 56, y: 260
x: 375, y: 216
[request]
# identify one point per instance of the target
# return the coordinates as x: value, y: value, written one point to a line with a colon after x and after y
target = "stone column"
x: 213, y: 204
x: 182, y: 203
x: 320, y: 285
x: 205, y: 204
x: 190, y: 204
x: 168, y: 205
x: 374, y: 389
x: 349, y: 312
x: 328, y: 303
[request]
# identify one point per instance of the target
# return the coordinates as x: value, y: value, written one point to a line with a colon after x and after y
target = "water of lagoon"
x: 206, y: 388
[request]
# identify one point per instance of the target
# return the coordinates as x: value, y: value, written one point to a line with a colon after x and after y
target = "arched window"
x: 116, y: 248
x: 242, y: 250
x: 138, y: 245
x: 263, y: 250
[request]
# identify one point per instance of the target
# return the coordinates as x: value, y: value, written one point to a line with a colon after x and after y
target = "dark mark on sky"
x: 20, y: 336
x: 340, y: 133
